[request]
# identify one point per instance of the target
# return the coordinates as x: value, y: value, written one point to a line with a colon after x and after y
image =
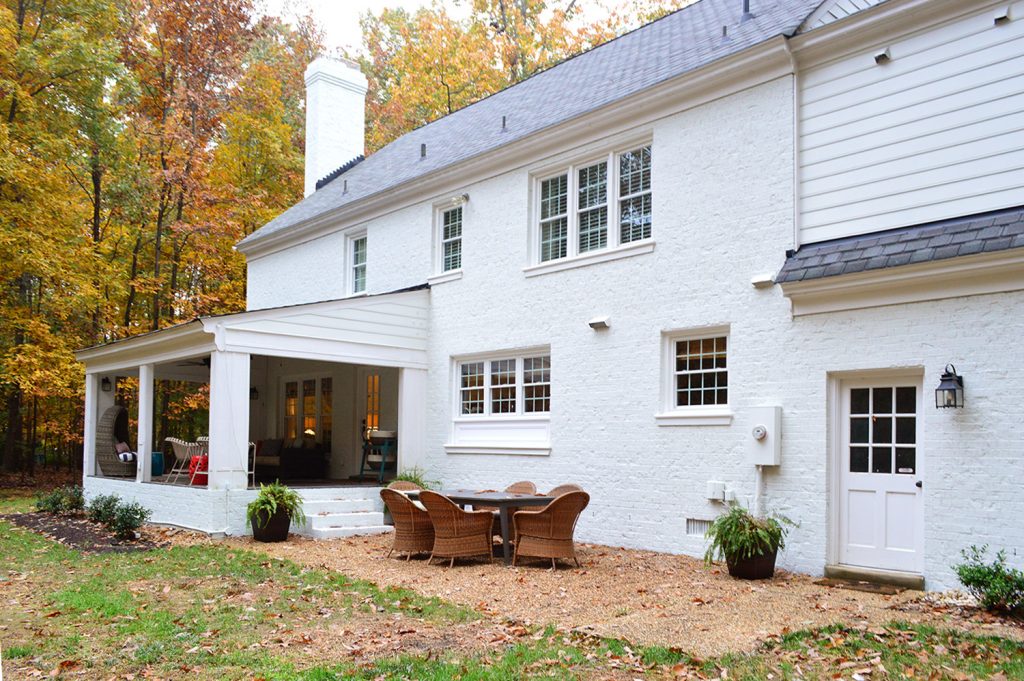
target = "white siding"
x: 937, y: 132
x: 836, y: 10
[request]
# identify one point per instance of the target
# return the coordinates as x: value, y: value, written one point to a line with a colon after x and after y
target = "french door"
x: 881, y: 514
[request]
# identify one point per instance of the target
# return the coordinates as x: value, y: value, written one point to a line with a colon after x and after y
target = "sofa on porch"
x: 274, y: 461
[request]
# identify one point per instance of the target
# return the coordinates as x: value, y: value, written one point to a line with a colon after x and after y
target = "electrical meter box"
x: 764, y: 436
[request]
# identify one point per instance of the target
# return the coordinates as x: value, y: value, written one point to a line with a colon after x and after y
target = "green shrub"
x: 996, y: 586
x: 417, y: 476
x: 68, y: 499
x: 103, y: 508
x: 738, y: 535
x: 127, y: 519
x: 269, y: 500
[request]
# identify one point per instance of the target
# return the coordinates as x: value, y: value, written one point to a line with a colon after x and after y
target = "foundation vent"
x: 697, y: 527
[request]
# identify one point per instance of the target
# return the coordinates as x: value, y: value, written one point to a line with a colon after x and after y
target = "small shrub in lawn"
x: 103, y: 508
x: 994, y: 584
x: 68, y: 499
x: 128, y: 518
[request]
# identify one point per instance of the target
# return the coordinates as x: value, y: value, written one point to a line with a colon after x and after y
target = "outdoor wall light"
x: 254, y: 394
x: 950, y: 393
x: 459, y: 199
x: 599, y: 323
x: 105, y: 385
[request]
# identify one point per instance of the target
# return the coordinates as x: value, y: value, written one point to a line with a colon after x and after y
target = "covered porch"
x: 300, y: 385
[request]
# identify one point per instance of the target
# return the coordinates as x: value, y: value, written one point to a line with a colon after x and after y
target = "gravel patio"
x: 645, y: 597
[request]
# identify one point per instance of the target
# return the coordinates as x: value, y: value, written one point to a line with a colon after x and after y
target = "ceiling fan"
x: 201, y: 362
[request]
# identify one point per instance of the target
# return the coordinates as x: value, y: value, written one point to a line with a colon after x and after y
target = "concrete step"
x: 318, y: 506
x: 328, y: 493
x: 339, y: 532
x: 359, y: 519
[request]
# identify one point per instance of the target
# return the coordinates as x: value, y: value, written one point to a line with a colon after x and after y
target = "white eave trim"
x: 508, y: 450
x: 757, y: 64
x: 957, y: 277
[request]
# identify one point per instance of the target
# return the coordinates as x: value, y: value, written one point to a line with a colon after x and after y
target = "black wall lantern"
x: 950, y: 392
x: 105, y: 385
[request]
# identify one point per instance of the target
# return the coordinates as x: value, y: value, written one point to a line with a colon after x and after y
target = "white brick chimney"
x: 335, y: 117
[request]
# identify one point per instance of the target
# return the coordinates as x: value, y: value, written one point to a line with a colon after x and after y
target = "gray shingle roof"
x: 968, y: 235
x: 680, y: 42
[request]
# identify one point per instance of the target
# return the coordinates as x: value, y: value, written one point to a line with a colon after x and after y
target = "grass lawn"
x: 213, y: 611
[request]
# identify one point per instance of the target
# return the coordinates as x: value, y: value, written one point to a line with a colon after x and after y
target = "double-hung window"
x: 696, y: 378
x: 506, y: 386
x: 594, y: 206
x: 357, y: 250
x: 451, y: 239
x: 502, y: 404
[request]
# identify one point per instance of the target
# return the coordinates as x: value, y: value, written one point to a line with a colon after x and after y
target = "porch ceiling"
x: 380, y: 330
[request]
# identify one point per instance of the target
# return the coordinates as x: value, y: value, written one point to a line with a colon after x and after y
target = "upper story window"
x: 578, y: 206
x: 358, y: 260
x: 506, y: 386
x: 451, y: 239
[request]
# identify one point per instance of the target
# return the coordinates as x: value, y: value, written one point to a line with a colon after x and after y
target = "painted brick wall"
x: 723, y: 207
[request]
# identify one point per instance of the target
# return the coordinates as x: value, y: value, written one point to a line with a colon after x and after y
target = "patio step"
x: 335, y: 513
x: 340, y: 532
x: 358, y: 519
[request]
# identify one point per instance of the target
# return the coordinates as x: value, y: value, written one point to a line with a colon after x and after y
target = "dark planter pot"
x: 272, y: 530
x: 758, y: 567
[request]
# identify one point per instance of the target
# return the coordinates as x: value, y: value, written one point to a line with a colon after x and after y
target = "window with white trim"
x: 577, y: 206
x: 695, y: 382
x: 505, y: 386
x: 451, y: 239
x: 357, y: 250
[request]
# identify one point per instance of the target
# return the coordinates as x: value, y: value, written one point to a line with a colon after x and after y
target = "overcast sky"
x: 340, y: 18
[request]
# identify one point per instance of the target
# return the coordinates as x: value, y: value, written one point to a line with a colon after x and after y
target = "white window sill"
x: 454, y: 275
x: 503, y: 450
x: 502, y: 418
x: 361, y: 294
x: 592, y: 258
x: 696, y: 416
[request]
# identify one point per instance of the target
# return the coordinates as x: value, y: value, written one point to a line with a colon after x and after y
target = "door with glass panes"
x: 881, y: 515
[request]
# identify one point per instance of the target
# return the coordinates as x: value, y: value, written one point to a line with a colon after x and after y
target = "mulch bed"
x: 79, y: 533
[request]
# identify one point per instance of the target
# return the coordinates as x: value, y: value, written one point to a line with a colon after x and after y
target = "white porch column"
x: 90, y: 416
x: 229, y: 420
x: 144, y: 444
x: 412, y: 418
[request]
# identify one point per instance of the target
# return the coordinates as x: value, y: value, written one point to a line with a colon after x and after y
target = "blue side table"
x: 158, y: 464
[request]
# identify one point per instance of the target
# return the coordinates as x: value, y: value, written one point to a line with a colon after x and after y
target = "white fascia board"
x: 176, y: 343
x: 876, y: 25
x: 759, y: 64
x: 937, y: 280
x: 418, y: 302
x: 303, y: 347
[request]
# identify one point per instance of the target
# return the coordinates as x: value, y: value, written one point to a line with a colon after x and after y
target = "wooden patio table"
x: 502, y: 500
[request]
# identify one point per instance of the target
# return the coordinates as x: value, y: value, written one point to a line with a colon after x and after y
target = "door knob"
x: 919, y: 484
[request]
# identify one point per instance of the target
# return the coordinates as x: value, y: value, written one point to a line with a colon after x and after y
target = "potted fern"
x: 748, y: 544
x: 272, y: 511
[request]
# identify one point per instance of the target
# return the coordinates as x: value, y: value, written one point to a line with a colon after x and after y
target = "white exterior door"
x: 881, y: 515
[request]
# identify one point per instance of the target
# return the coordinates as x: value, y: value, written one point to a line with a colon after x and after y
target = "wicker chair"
x: 414, y: 532
x: 457, y: 533
x: 521, y: 487
x: 564, y: 489
x: 111, y: 429
x: 404, y: 486
x: 547, y: 533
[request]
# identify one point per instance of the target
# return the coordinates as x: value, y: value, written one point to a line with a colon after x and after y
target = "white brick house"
x: 827, y: 197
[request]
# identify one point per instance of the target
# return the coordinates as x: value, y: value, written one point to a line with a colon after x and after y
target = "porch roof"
x: 388, y: 329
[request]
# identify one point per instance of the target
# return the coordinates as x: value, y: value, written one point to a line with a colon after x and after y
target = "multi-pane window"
x: 635, y: 195
x: 883, y: 430
x: 326, y: 411
x: 309, y: 407
x: 537, y: 384
x: 372, y: 402
x: 359, y: 264
x: 291, y: 410
x: 554, y: 220
x: 577, y: 206
x: 505, y: 386
x: 701, y: 373
x: 451, y: 239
